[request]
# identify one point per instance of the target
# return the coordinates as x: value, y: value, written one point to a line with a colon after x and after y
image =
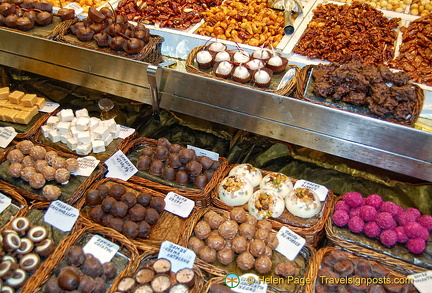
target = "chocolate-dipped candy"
x: 187, y: 155
x: 30, y: 262
x: 168, y: 173
x: 68, y: 280
x: 21, y: 225
x: 129, y: 199
x: 137, y: 213
x: 107, y: 203
x: 175, y: 148
x: 193, y: 168
x: 158, y: 203
x: 51, y: 192
x: 26, y: 246
x: 109, y: 271
x: 130, y: 229
x: 75, y: 255
x: 182, y: 177
x: 144, y: 229
x: 119, y: 209
x: 45, y: 247
x: 144, y: 199
x: 201, y: 181
x: 116, y: 224
x: 174, y: 160
x: 11, y: 242
x: 18, y: 279
x: 97, y: 213
x: 103, y: 189
x: 92, y: 266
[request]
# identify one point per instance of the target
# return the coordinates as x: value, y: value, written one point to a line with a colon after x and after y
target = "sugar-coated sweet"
x: 368, y: 213
x: 413, y: 229
x: 424, y: 234
x: 426, y: 221
x: 356, y: 224
x: 372, y: 230
x: 353, y: 199
x: 340, y: 218
x: 341, y: 205
x: 354, y: 212
x: 401, y: 235
x: 374, y: 200
x: 415, y: 212
x: 385, y: 221
x: 416, y: 245
x: 391, y: 207
x: 405, y: 217
x: 388, y: 237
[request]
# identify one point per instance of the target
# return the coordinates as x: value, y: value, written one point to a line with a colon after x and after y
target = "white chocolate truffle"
x: 266, y: 204
x: 235, y: 190
x: 303, y: 203
x: 278, y: 182
x: 252, y: 173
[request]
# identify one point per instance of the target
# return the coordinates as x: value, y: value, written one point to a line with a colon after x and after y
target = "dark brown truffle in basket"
x: 109, y: 271
x: 334, y: 257
x: 92, y: 266
x: 116, y: 224
x: 93, y: 198
x: 119, y: 209
x: 129, y: 198
x: 193, y: 168
x: 144, y: 163
x: 152, y: 216
x: 209, y: 174
x: 117, y: 190
x: 326, y: 274
x: 87, y: 284
x: 156, y: 167
x: 187, y: 155
x: 175, y: 148
x: 103, y: 189
x: 130, y: 229
x: 143, y: 229
x: 107, y: 203
x: 344, y: 268
x: 182, y: 177
x: 205, y: 161
x: 106, y: 219
x: 363, y: 268
x: 174, y: 160
x: 97, y: 213
x: 164, y: 142
x: 200, y: 181
x: 52, y: 285
x: 168, y: 173
x: 215, y: 165
x: 68, y: 280
x: 148, y: 151
x: 158, y: 203
x: 137, y: 213
x: 161, y: 153
x: 144, y: 199
x: 75, y: 255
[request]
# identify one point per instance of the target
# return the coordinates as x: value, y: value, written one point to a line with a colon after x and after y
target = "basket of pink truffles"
x: 383, y: 230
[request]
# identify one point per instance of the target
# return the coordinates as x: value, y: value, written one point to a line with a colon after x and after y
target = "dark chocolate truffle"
x: 182, y: 177
x: 137, y: 213
x: 117, y: 190
x: 144, y: 199
x: 158, y: 203
x: 103, y: 189
x: 143, y: 229
x: 156, y: 167
x: 168, y: 173
x: 161, y: 153
x: 92, y: 266
x: 93, y: 198
x: 119, y: 209
x: 152, y: 216
x: 130, y: 229
x: 107, y: 203
x: 116, y: 224
x: 144, y: 163
x: 174, y: 160
x: 129, y: 198
x: 97, y: 213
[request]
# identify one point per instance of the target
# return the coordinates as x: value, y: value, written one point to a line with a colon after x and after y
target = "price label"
x: 250, y: 283
x: 422, y: 281
x: 104, y: 250
x: 7, y: 134
x: 75, y: 6
x: 125, y: 131
x: 202, y: 152
x: 4, y: 202
x: 86, y: 166
x: 120, y: 167
x: 320, y: 190
x: 178, y: 205
x: 61, y: 216
x: 49, y: 107
x: 179, y: 256
x: 286, y: 78
x: 290, y: 243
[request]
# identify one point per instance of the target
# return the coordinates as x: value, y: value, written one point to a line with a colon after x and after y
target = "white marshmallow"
x: 98, y: 146
x: 63, y: 127
x: 82, y: 123
x: 52, y: 121
x: 83, y: 149
x: 66, y: 115
x: 84, y: 137
x: 81, y: 113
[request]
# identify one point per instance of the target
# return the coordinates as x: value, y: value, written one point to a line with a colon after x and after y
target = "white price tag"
x: 422, y: 281
x: 49, y: 107
x: 320, y: 190
x: 120, y: 167
x: 249, y: 283
x: 290, y: 243
x: 61, y: 216
x: 125, y: 131
x: 179, y: 256
x: 287, y: 77
x: 178, y: 205
x: 7, y: 134
x: 202, y: 152
x: 4, y: 202
x: 104, y: 250
x: 75, y: 6
x: 86, y: 166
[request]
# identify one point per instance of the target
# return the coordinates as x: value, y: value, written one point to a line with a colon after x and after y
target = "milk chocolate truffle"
x: 164, y: 142
x: 187, y: 155
x: 51, y: 192
x: 37, y: 152
x: 247, y: 230
x: 263, y: 264
x: 261, y: 234
x: 62, y: 175
x: 15, y: 156
x: 49, y: 156
x: 168, y: 173
x: 272, y: 241
x: 158, y: 203
x: 156, y: 167
x: 202, y: 230
x: 27, y: 161
x: 27, y: 172
x: 161, y: 153
x: 137, y: 213
x: 228, y: 229
x: 37, y: 181
x: 25, y: 146
x: 195, y: 244
x: 40, y: 164
x: 207, y: 254
x: 216, y: 242
x: 152, y: 216
x: 148, y: 151
x: 144, y: 199
x: 71, y: 164
x: 143, y: 229
x: 97, y: 213
x: 182, y: 177
x: 193, y: 168
x: 213, y: 219
x: 144, y: 163
x: 264, y: 224
x: 175, y: 148
x: 245, y: 261
x: 257, y: 247
x: 49, y: 173
x: 129, y: 198
x: 239, y: 244
x: 93, y: 198
x: 117, y: 190
x: 130, y: 229
x: 225, y: 256
x: 238, y: 214
x: 58, y: 162
x: 15, y: 169
x: 201, y: 181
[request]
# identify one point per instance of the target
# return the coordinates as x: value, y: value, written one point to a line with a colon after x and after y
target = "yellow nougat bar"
x: 29, y: 100
x: 15, y: 97
x: 4, y: 93
x: 33, y: 110
x: 40, y: 103
x: 23, y: 117
x: 10, y: 114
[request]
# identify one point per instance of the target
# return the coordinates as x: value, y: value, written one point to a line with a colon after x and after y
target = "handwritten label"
x: 120, y: 167
x: 250, y: 283
x: 125, y: 131
x: 422, y: 281
x: 4, y: 202
x: 75, y: 6
x: 202, y: 152
x: 86, y: 166
x: 320, y: 190
x: 290, y: 243
x: 7, y: 134
x: 179, y: 256
x: 49, y: 107
x: 178, y: 205
x: 61, y: 216
x: 104, y: 250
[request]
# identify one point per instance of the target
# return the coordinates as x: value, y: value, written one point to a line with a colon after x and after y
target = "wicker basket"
x: 18, y: 207
x: 312, y: 233
x: 71, y: 192
x: 146, y: 259
x: 83, y: 232
x: 379, y: 253
x: 201, y: 197
x: 221, y: 281
x: 220, y: 270
x: 167, y: 227
x: 192, y: 67
x: 323, y: 252
x: 304, y: 76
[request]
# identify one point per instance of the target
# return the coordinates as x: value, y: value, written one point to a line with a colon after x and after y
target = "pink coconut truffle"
x: 424, y: 234
x: 340, y: 218
x: 415, y: 212
x: 416, y: 245
x: 356, y: 224
x: 388, y: 237
x: 374, y: 200
x: 368, y: 213
x: 405, y: 217
x: 385, y: 221
x: 354, y: 212
x: 426, y: 221
x: 391, y: 207
x: 413, y: 230
x: 341, y: 205
x: 401, y: 236
x: 372, y: 230
x: 353, y: 199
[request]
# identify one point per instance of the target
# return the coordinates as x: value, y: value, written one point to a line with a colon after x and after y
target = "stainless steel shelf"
x: 378, y: 143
